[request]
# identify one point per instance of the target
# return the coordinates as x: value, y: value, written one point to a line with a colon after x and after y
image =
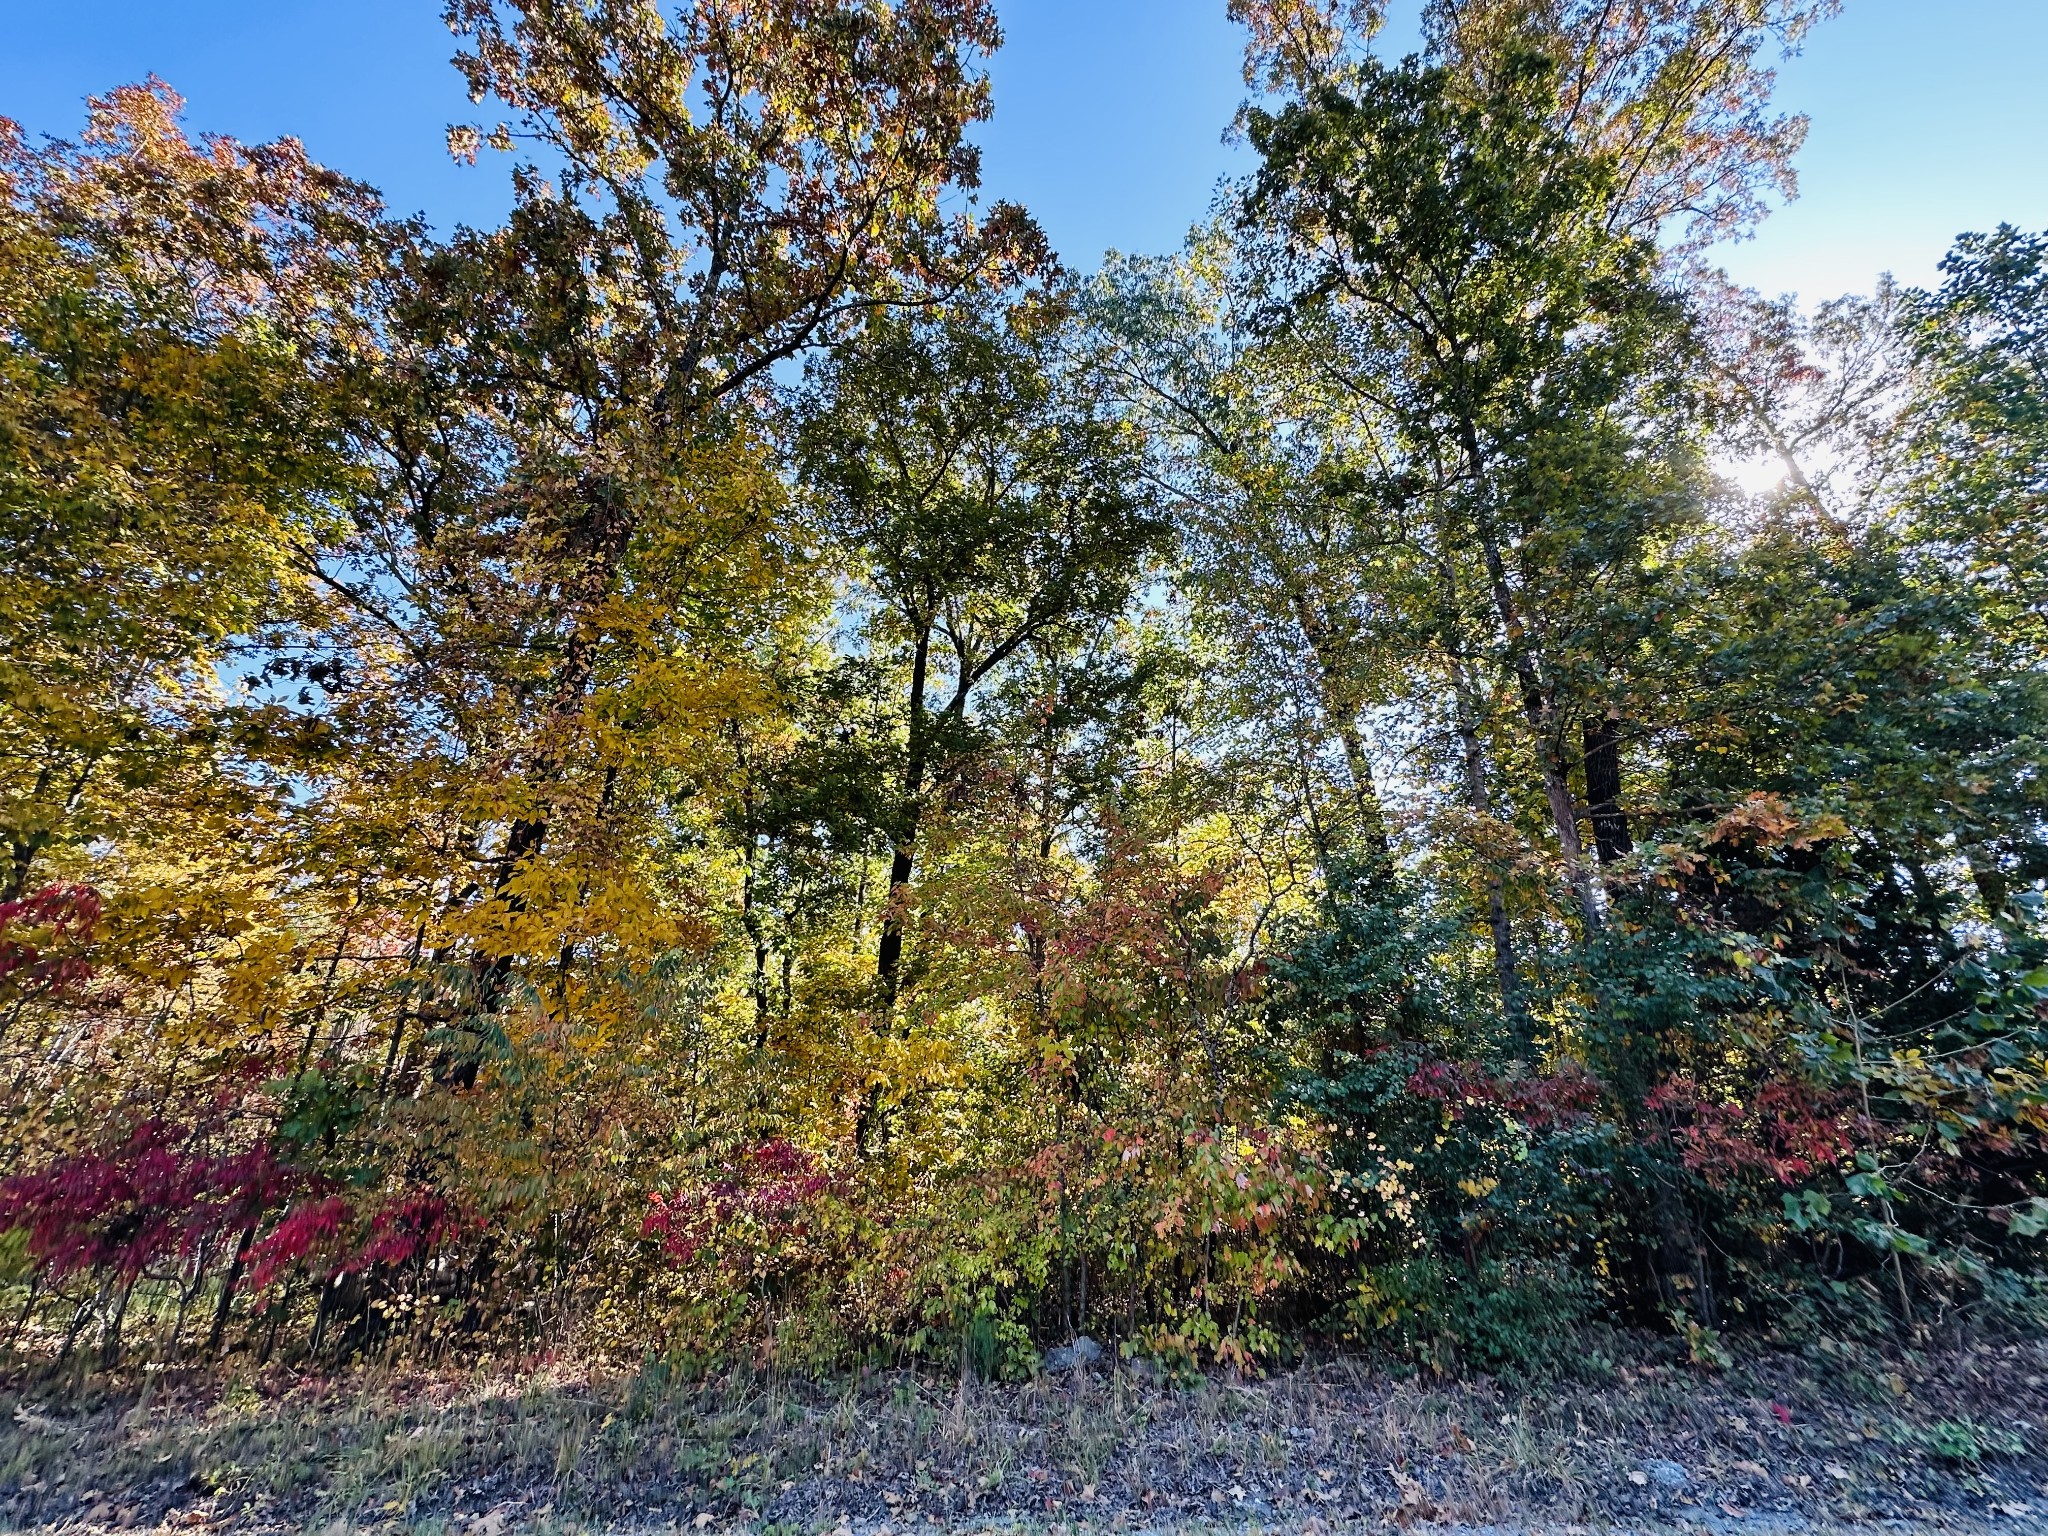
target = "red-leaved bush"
x: 162, y: 1195
x: 157, y: 1195
x: 40, y: 935
x: 1787, y: 1130
x: 1540, y: 1103
x: 351, y: 1240
x: 768, y: 1188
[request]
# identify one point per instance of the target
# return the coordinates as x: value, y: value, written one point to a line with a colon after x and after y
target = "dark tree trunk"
x: 596, y: 546
x: 750, y: 914
x: 1338, y: 705
x: 219, y: 1332
x: 1993, y: 888
x: 1603, y: 789
x: 110, y: 1333
x: 889, y: 956
x: 1372, y: 820
x: 903, y: 851
x: 1683, y: 1282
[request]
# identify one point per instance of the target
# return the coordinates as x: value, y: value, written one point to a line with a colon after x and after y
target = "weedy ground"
x: 1837, y: 1437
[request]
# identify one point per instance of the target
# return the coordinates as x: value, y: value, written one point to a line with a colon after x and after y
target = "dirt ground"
x: 1829, y: 1440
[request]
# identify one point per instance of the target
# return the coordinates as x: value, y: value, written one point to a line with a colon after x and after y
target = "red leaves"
x: 304, y: 1228
x: 400, y: 1232
x: 1787, y: 1130
x: 61, y: 918
x: 407, y: 1229
x: 1539, y: 1103
x: 154, y: 1196
x: 162, y: 1194
x: 768, y: 1189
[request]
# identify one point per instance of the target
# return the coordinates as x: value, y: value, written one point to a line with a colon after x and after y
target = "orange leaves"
x: 1760, y: 823
x: 1765, y: 821
x: 776, y: 156
x: 1144, y: 943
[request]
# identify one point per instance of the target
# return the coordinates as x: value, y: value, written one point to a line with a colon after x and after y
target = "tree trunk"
x: 1993, y: 888
x: 597, y: 542
x: 1343, y: 713
x: 1506, y: 972
x: 1372, y: 821
x: 1603, y: 789
x: 903, y: 849
x: 1683, y: 1283
x: 110, y: 1332
x: 219, y: 1332
x: 1538, y: 703
x: 750, y: 915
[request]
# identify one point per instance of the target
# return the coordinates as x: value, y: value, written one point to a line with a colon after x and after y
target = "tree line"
x: 747, y: 762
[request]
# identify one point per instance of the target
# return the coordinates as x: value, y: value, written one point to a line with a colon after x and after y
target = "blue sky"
x: 1929, y: 116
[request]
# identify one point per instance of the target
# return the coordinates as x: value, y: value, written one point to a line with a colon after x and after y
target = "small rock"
x: 1077, y: 1356
x: 1666, y: 1474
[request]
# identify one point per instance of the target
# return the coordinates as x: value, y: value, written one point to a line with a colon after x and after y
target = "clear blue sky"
x: 1929, y: 116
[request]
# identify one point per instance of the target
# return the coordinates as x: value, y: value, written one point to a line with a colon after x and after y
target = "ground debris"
x: 1838, y: 1440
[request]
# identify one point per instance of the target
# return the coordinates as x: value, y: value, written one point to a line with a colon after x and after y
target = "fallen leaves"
x: 1416, y: 1507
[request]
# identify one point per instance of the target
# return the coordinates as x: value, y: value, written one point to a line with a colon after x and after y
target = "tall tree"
x: 989, y: 502
x: 1673, y: 94
x: 720, y: 186
x: 1498, y: 314
x: 1261, y: 451
x: 173, y: 318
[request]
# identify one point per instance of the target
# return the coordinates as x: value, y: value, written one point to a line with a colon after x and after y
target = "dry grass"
x: 1955, y: 1438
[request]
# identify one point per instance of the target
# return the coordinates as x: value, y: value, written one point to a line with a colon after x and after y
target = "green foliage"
x: 1523, y: 1320
x: 1966, y: 1442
